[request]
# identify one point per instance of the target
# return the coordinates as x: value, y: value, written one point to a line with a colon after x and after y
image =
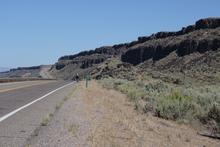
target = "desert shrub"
x: 182, y: 103
x: 153, y: 91
x: 134, y: 90
x: 214, y: 116
x: 157, y: 87
x: 173, y: 106
x: 107, y: 83
x: 131, y: 89
x: 214, y: 112
x: 211, y: 117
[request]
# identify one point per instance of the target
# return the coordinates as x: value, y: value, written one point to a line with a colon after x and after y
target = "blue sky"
x: 34, y: 32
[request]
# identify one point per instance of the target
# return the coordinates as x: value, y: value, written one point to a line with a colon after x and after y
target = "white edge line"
x: 25, y: 106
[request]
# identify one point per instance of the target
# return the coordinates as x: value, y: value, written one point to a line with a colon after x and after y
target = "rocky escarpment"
x: 82, y: 61
x: 67, y: 68
x: 106, y: 50
x: 208, y: 23
x: 201, y: 37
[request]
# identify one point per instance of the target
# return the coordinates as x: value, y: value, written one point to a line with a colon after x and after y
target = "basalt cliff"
x: 192, y: 46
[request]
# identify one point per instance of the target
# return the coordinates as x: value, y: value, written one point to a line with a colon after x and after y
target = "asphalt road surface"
x: 24, y: 104
x: 13, y: 96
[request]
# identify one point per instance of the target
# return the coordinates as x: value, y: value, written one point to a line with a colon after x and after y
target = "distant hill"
x: 41, y: 71
x: 3, y: 69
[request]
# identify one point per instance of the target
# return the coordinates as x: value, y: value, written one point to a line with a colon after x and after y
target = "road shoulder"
x: 95, y: 116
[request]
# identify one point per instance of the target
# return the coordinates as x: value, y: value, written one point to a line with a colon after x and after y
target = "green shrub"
x: 107, y: 83
x: 188, y: 103
x: 174, y: 106
x: 156, y: 87
x: 212, y: 117
x: 131, y: 89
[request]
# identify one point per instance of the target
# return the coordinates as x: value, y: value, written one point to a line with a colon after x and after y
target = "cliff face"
x: 82, y: 61
x: 156, y: 49
x: 201, y: 37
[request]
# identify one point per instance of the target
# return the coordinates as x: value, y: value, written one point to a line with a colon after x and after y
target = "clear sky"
x: 34, y: 32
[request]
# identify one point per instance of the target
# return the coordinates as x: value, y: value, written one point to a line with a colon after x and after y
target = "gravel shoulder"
x: 96, y: 117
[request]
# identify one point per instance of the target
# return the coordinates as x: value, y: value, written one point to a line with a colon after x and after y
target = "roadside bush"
x: 211, y: 117
x: 131, y: 90
x: 182, y: 103
x: 214, y: 115
x: 158, y: 87
x: 108, y: 83
x: 174, y: 106
x: 134, y: 90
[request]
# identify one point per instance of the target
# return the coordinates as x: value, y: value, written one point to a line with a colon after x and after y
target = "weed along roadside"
x: 46, y: 121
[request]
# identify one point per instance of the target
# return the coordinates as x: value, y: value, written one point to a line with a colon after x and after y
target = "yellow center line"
x: 10, y: 89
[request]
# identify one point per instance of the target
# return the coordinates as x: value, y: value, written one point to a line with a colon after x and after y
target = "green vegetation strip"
x: 188, y: 104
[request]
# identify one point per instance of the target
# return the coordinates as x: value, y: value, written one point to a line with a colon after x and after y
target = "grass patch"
x: 173, y: 106
x: 134, y: 90
x: 73, y: 129
x: 58, y: 106
x: 65, y: 98
x: 46, y: 120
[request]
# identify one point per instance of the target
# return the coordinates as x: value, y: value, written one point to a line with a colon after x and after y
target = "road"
x: 91, y: 116
x: 23, y: 106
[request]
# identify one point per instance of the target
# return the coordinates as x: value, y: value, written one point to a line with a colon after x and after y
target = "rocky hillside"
x: 163, y: 50
x: 41, y: 71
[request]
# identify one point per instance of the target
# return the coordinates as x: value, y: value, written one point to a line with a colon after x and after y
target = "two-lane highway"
x: 18, y: 94
x: 23, y: 105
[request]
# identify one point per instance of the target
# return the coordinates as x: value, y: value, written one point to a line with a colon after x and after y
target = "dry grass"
x: 45, y: 121
x: 68, y: 96
x: 73, y: 128
x: 113, y: 122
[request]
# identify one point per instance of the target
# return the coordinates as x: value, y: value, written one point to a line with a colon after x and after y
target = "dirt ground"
x: 97, y: 117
